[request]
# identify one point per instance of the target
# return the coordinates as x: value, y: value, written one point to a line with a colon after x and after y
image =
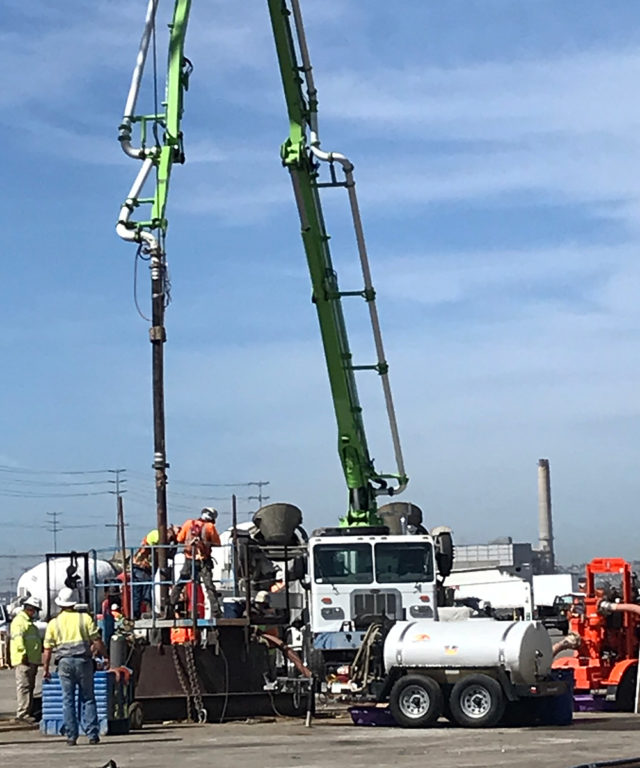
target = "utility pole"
x: 54, y: 528
x: 120, y: 540
x: 260, y: 497
x: 126, y: 595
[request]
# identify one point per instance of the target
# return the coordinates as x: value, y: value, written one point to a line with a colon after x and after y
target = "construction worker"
x: 25, y: 649
x: 144, y: 565
x: 142, y: 558
x: 198, y: 536
x: 73, y: 636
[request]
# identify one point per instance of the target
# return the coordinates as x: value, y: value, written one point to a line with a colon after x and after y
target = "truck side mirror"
x: 443, y: 544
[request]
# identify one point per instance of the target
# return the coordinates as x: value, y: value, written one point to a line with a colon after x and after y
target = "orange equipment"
x: 607, y: 621
x: 189, y: 634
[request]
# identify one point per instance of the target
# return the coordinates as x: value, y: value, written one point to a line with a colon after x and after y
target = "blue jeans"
x: 141, y: 591
x: 78, y: 674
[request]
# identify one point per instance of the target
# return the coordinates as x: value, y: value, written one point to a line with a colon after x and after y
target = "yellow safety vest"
x: 70, y: 635
x: 24, y: 640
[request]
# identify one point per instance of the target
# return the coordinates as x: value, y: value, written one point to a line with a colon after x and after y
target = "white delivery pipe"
x: 347, y: 167
x: 134, y: 88
x: 123, y: 229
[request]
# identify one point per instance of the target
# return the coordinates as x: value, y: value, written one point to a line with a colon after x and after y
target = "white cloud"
x: 573, y: 94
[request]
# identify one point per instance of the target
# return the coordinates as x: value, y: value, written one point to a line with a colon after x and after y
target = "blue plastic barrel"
x: 112, y: 703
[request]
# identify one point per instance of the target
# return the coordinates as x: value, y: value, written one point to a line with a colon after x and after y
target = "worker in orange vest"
x: 198, y: 537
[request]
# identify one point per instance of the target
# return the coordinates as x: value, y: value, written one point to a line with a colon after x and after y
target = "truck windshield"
x: 402, y: 563
x: 343, y: 564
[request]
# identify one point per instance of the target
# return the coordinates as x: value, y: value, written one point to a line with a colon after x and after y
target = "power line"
x: 25, y: 470
x: 56, y: 483
x: 29, y: 525
x: 12, y: 494
x: 202, y: 485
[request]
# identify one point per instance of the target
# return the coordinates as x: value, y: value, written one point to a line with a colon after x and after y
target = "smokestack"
x: 545, y: 523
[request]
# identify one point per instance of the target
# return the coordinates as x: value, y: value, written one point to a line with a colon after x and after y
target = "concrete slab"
x: 288, y: 744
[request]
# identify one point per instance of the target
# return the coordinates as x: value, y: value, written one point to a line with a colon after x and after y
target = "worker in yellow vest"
x: 73, y: 636
x: 25, y: 649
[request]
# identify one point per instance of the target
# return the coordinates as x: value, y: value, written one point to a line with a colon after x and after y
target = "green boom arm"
x: 302, y: 156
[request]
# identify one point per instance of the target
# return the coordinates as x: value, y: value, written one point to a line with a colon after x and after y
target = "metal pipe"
x: 236, y: 564
x: 347, y: 167
x: 134, y: 89
x: 123, y: 227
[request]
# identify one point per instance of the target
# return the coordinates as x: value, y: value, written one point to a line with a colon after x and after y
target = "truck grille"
x: 367, y: 603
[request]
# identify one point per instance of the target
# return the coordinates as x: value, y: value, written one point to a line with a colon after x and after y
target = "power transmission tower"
x: 54, y: 528
x: 260, y: 497
x: 120, y: 524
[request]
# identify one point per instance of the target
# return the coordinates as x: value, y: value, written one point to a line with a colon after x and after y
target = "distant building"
x: 515, y: 559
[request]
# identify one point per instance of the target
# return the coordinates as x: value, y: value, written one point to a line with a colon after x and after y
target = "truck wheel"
x: 415, y: 701
x: 477, y: 701
x: 136, y: 716
x: 316, y: 663
x: 626, y: 692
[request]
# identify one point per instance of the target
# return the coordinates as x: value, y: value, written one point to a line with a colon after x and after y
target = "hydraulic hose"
x: 569, y: 643
x: 605, y: 607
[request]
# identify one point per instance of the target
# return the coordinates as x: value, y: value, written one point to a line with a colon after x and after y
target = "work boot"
x: 25, y: 720
x: 94, y: 740
x: 72, y: 742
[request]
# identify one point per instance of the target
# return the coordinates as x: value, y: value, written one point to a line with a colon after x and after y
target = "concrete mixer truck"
x: 80, y: 570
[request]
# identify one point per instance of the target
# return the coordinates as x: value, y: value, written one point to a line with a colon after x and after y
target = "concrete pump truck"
x: 368, y: 567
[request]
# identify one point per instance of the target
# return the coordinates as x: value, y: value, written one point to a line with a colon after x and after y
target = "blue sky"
x: 496, y: 150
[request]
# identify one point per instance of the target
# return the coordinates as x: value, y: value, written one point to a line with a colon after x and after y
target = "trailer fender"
x: 618, y: 671
x: 506, y: 685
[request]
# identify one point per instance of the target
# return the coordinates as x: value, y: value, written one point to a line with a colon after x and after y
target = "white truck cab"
x: 357, y: 578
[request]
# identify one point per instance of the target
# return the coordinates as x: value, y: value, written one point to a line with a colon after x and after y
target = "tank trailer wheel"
x: 477, y: 701
x: 416, y: 701
x: 136, y: 716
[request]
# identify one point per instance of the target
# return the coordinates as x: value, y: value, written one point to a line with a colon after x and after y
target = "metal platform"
x: 201, y: 623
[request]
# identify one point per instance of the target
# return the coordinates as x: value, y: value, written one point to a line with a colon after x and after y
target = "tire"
x: 477, y: 701
x: 316, y: 662
x: 136, y: 716
x: 416, y: 701
x: 626, y: 691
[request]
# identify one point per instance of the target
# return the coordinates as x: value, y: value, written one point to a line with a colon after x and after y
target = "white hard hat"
x: 33, y: 602
x: 209, y: 514
x: 66, y: 598
x: 262, y: 596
